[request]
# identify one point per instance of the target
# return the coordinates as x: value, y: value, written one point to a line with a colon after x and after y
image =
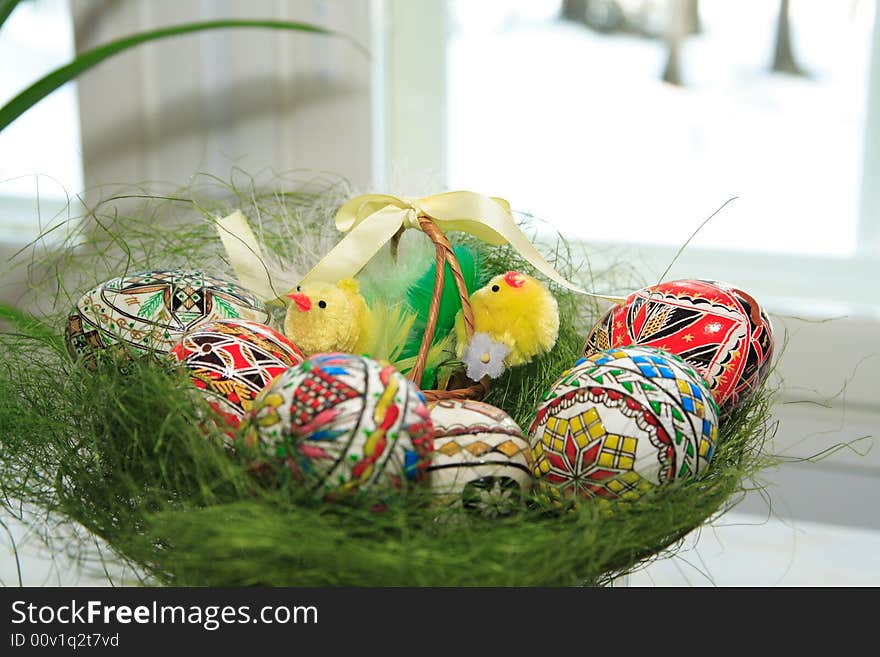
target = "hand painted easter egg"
x: 717, y: 328
x: 343, y: 423
x: 232, y: 361
x: 150, y: 311
x: 481, y: 458
x: 621, y: 422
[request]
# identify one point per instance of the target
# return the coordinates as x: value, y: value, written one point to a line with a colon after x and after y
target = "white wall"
x: 251, y: 98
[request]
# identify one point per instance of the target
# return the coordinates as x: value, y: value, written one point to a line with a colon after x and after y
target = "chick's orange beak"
x: 302, y: 301
x: 514, y: 279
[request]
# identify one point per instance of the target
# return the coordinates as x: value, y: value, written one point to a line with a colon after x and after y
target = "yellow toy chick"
x: 325, y: 317
x: 515, y: 319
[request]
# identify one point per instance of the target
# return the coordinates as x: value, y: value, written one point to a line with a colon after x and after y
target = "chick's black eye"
x: 495, y: 288
x: 299, y: 288
x: 322, y: 304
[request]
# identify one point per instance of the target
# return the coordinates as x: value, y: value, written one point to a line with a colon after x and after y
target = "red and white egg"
x: 715, y: 327
x: 231, y: 361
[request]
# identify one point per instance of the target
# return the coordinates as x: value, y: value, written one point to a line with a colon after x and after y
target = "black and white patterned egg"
x: 149, y: 312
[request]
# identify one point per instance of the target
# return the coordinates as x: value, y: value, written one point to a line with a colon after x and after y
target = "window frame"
x: 838, y: 288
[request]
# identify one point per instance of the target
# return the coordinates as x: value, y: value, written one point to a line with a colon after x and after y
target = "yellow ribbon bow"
x: 372, y: 220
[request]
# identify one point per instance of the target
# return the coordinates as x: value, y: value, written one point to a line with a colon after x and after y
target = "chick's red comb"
x: 514, y: 279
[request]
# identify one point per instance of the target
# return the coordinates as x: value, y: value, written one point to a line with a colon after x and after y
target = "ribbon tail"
x: 246, y: 258
x: 527, y: 250
x: 358, y: 247
x: 490, y: 219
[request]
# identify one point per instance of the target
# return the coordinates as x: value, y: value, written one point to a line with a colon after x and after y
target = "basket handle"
x: 445, y: 255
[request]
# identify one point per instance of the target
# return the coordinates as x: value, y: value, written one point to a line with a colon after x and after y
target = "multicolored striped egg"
x: 343, y: 423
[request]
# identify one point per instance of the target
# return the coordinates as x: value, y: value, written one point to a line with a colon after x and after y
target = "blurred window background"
x: 654, y: 113
x: 630, y: 121
x: 622, y: 123
x: 40, y: 163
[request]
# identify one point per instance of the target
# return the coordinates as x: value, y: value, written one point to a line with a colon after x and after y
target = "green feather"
x: 419, y: 295
x: 386, y: 277
x: 440, y: 354
x: 388, y: 325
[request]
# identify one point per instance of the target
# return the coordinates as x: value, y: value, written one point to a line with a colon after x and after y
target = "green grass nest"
x: 123, y: 455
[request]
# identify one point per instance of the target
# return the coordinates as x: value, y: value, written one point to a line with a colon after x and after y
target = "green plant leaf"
x: 6, y: 7
x: 60, y: 76
x: 31, y: 327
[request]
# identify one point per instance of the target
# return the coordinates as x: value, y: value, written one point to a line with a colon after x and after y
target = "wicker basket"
x: 445, y: 255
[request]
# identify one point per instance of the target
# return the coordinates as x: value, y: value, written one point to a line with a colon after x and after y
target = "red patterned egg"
x: 232, y: 361
x: 717, y: 328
